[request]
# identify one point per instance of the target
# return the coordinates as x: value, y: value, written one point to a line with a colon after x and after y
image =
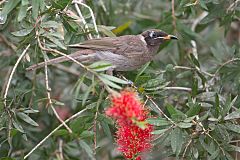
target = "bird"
x: 124, y: 53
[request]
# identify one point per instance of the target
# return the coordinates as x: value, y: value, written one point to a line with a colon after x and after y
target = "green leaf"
x: 194, y: 60
x: 106, y: 129
x: 50, y: 24
x: 31, y: 111
x: 86, y: 94
x: 214, y: 155
x: 184, y: 125
x: 195, y: 87
x: 234, y: 148
x: 159, y: 87
x: 87, y: 134
x: 109, y: 83
x: 23, y: 10
x: 8, y: 7
x: 142, y: 69
x: 233, y: 115
x: 203, y: 4
x: 176, y: 140
x: 229, y: 104
x: 22, y: 32
x: 92, y: 105
x: 159, y: 131
x: 114, y: 79
x: 69, y: 26
x: 61, y: 132
x: 154, y: 82
x: 27, y: 119
x: 35, y: 8
x: 100, y: 66
x: 18, y: 126
x: 7, y: 158
x: 194, y: 109
x: 56, y: 41
x: 233, y: 127
x: 60, y: 4
x: 158, y: 121
x: 217, y: 105
x: 217, y: 12
x: 106, y: 30
x: 174, y: 113
x: 87, y: 148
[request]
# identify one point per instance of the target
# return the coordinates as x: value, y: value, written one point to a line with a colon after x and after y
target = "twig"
x: 185, y: 150
x: 95, y: 120
x: 173, y: 16
x: 11, y: 75
x: 178, y: 88
x: 49, y: 89
x: 197, y: 68
x: 67, y: 69
x: 60, y: 149
x: 8, y: 43
x: 206, y: 133
x: 225, y: 63
x: 83, y: 20
x: 76, y: 2
x: 5, y: 98
x: 235, y: 141
x: 194, y: 25
x: 2, y: 2
x: 5, y: 80
x: 51, y: 133
x: 232, y: 6
x: 93, y: 18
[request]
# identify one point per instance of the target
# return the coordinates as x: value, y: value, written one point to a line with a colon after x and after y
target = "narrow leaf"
x: 22, y: 32
x: 114, y: 79
x: 27, y: 119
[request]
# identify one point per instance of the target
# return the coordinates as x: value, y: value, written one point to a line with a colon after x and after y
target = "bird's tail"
x: 77, y: 56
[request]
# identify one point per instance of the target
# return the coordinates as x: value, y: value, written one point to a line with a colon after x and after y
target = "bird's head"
x: 155, y: 37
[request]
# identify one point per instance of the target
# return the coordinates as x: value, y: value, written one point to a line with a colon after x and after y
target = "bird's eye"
x: 152, y: 34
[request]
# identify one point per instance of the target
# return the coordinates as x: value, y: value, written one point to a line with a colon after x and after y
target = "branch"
x: 76, y: 2
x: 225, y: 63
x: 8, y: 43
x: 179, y: 88
x: 194, y: 25
x: 232, y: 6
x: 49, y: 89
x: 51, y: 133
x: 173, y: 15
x: 11, y: 75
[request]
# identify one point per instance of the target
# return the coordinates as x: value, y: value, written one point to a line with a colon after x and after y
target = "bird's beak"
x: 168, y: 37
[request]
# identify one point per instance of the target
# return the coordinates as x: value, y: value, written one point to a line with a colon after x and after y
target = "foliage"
x: 191, y: 87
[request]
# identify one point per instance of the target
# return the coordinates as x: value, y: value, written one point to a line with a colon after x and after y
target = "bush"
x: 58, y: 112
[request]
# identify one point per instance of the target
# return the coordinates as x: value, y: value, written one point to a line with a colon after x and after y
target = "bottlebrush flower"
x: 126, y: 108
x: 134, y: 134
x: 133, y: 140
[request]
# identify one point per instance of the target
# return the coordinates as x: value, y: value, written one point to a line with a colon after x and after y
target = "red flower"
x: 134, y: 134
x: 133, y: 140
x: 126, y: 108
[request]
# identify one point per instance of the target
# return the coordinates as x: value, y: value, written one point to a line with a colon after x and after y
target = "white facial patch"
x: 143, y: 40
x: 159, y: 38
x: 152, y: 34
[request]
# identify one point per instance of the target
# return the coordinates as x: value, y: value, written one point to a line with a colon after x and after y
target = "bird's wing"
x: 102, y: 44
x: 128, y: 45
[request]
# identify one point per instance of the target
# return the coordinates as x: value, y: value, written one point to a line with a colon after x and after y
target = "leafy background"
x: 191, y: 87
